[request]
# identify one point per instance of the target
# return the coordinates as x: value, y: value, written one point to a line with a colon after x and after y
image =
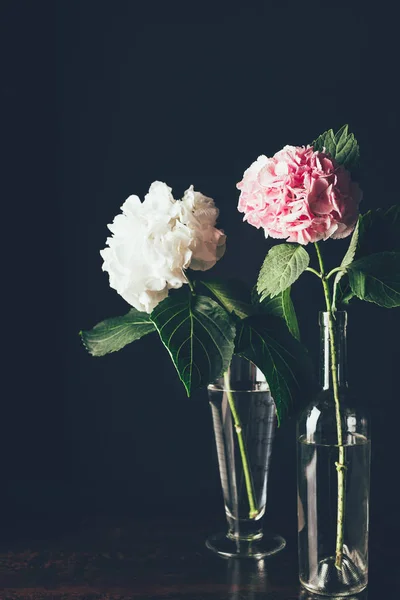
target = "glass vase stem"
x: 340, y: 464
x: 238, y: 428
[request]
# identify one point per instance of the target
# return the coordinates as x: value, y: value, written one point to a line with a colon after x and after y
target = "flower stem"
x: 340, y: 464
x: 336, y: 270
x: 191, y: 286
x: 238, y: 427
x: 314, y: 271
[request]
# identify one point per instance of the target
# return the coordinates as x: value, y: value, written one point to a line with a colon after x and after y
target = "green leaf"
x: 344, y: 294
x: 376, y: 278
x: 283, y: 264
x: 266, y: 341
x: 379, y: 231
x: 199, y: 335
x: 342, y: 146
x: 351, y: 250
x: 115, y: 333
x: 347, y: 260
x: 282, y: 306
x: 234, y: 296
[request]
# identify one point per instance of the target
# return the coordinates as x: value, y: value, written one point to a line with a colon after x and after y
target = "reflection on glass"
x: 246, y: 579
x: 305, y: 595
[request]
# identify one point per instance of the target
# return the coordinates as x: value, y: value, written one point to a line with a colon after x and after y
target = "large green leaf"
x: 338, y: 292
x: 266, y: 341
x: 282, y: 306
x: 344, y: 294
x: 199, y: 335
x: 233, y: 294
x: 342, y: 146
x: 376, y: 278
x: 283, y: 264
x: 379, y: 231
x: 115, y: 333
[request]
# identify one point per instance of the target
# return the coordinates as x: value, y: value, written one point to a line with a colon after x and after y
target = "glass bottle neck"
x: 339, y: 325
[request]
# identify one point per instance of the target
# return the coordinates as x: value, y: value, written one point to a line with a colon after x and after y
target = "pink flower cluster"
x: 301, y: 195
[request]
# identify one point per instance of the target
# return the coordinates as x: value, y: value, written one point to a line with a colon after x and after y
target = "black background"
x: 100, y: 99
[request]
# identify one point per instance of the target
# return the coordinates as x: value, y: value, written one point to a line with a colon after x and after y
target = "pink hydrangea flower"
x: 299, y: 195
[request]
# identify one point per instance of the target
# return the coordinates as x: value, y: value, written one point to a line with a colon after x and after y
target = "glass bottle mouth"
x: 339, y: 317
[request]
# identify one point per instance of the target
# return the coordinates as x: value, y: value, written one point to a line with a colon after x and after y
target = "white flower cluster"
x: 154, y: 241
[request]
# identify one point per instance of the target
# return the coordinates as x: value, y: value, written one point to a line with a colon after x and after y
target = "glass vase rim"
x: 254, y: 377
x: 215, y: 387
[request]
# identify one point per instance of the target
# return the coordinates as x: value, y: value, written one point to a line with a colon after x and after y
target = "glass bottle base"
x: 230, y: 547
x: 330, y: 581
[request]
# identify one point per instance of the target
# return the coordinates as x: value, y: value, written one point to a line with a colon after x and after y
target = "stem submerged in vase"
x: 244, y: 419
x: 238, y: 428
x: 340, y: 464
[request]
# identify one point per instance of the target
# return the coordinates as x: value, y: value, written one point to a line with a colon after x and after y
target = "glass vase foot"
x: 231, y: 547
x: 330, y: 581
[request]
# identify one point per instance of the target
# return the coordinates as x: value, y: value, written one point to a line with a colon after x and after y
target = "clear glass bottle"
x: 244, y: 420
x: 333, y: 477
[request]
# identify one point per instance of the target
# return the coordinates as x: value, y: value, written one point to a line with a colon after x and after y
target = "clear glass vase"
x: 244, y: 420
x: 333, y: 451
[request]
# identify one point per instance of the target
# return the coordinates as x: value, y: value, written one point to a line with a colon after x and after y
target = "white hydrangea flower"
x: 154, y: 241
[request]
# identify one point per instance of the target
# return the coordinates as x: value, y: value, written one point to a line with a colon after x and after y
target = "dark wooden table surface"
x: 122, y: 558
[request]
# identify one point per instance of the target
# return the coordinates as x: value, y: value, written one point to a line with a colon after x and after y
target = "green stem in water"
x: 340, y: 464
x: 238, y: 428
